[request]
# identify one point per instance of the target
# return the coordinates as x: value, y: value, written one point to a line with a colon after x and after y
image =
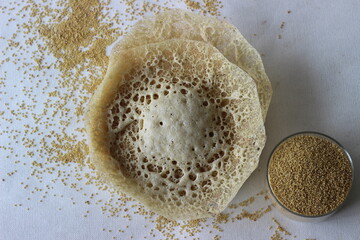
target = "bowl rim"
x: 331, y: 140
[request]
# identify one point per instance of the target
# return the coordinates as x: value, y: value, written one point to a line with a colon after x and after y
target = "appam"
x: 176, y: 126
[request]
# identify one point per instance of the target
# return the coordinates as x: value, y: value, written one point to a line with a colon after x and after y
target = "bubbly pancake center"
x: 177, y: 126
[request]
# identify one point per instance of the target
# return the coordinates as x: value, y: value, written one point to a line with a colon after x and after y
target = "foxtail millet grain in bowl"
x: 309, y: 174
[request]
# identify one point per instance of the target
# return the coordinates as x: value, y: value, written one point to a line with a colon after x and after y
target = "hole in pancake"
x: 202, y: 168
x: 184, y: 91
x: 115, y: 123
x: 205, y: 183
x: 182, y: 193
x: 151, y: 168
x: 192, y: 176
x: 178, y: 173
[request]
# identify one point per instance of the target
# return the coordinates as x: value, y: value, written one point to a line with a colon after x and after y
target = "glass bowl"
x: 294, y: 215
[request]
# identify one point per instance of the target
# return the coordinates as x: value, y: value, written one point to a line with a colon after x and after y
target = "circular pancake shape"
x: 176, y: 126
x: 177, y: 23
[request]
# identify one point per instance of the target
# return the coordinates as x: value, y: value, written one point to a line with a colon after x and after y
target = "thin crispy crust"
x: 177, y: 23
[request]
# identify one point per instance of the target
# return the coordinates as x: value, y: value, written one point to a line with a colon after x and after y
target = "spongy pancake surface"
x: 176, y: 126
x: 177, y: 23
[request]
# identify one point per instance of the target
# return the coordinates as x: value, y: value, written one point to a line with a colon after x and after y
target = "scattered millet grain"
x: 279, y: 232
x: 280, y: 228
x: 282, y: 25
x: 210, y: 7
